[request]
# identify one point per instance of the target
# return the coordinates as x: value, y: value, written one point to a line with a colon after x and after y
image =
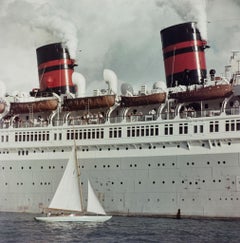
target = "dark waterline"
x: 19, y: 227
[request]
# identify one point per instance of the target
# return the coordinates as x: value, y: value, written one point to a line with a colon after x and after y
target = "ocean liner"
x: 173, y: 148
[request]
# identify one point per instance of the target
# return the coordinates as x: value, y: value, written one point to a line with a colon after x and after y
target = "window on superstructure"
x: 68, y: 135
x: 133, y: 131
x: 110, y: 133
x: 80, y: 134
x: 168, y: 129
x: 238, y: 125
x: 97, y: 133
x: 214, y: 126
x: 183, y: 128
x: 20, y: 137
x: 232, y: 125
x: 84, y: 134
x: 156, y: 130
x: 147, y: 131
x: 40, y: 136
x: 2, y: 138
x: 89, y: 134
x: 195, y: 129
x: 24, y: 137
x: 119, y: 132
x: 60, y: 136
x: 7, y: 138
x: 93, y: 133
x: 16, y: 137
x: 142, y: 131
x: 152, y: 130
x: 137, y: 131
x: 102, y: 133
x: 128, y: 131
x: 55, y: 136
x: 115, y: 132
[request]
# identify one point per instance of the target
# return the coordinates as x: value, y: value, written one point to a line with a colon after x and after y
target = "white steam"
x: 189, y: 10
x: 112, y: 34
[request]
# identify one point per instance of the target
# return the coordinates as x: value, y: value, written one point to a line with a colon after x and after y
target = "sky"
x: 120, y: 35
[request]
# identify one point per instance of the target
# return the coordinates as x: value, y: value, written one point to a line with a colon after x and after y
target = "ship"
x: 170, y: 150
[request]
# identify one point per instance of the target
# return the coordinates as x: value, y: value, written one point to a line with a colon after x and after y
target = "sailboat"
x: 68, y: 199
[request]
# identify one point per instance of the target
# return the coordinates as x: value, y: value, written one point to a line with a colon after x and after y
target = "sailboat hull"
x: 74, y: 218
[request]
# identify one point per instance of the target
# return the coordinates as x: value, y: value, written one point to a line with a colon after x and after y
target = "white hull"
x: 73, y: 218
x: 142, y: 158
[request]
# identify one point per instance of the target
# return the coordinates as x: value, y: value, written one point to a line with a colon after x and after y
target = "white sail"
x: 67, y: 196
x: 93, y: 205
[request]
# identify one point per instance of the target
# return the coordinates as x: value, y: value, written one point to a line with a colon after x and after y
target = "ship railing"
x: 233, y: 111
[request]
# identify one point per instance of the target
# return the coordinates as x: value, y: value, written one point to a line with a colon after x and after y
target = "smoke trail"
x: 47, y: 20
x: 189, y: 10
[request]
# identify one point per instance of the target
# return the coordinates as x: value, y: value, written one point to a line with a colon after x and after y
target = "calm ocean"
x: 17, y: 227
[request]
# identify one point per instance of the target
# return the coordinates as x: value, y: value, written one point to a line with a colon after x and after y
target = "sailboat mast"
x: 78, y: 175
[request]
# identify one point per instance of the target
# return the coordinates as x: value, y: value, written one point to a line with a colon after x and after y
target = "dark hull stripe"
x: 55, y: 68
x: 183, y: 50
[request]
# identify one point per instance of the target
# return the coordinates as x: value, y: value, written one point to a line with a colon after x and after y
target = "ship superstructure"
x: 174, y: 148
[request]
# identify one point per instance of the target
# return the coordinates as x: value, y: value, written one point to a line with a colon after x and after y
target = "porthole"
x: 140, y: 147
x: 229, y: 143
x: 153, y: 182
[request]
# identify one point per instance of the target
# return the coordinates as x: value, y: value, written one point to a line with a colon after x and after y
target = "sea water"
x: 21, y: 227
